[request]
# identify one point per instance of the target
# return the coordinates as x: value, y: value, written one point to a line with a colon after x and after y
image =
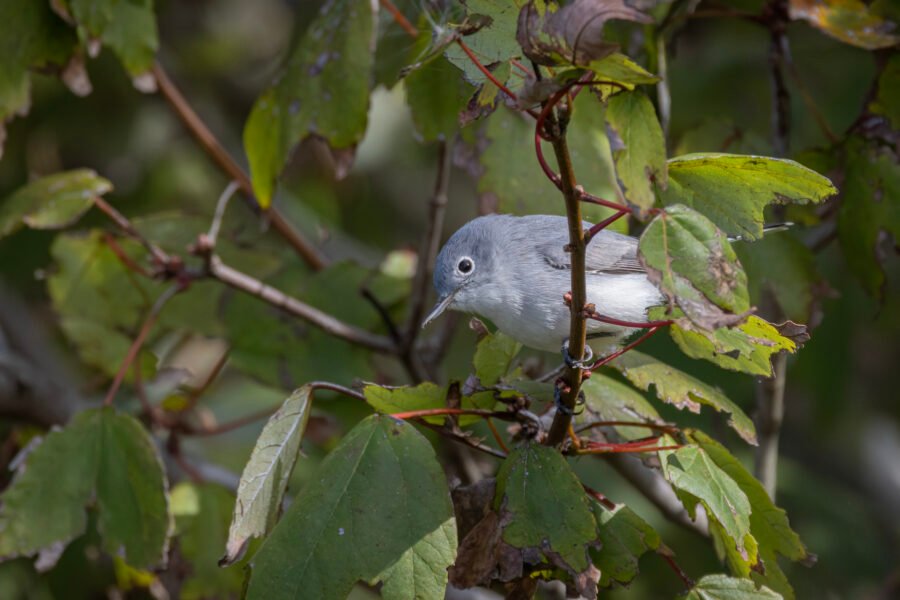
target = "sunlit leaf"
x: 768, y: 523
x: 547, y: 510
x: 316, y: 95
x: 624, y: 538
x: 869, y: 206
x: 266, y: 474
x: 732, y: 190
x: 850, y: 21
x: 696, y: 477
x: 681, y: 390
x: 693, y: 263
x: 378, y: 509
x: 638, y: 147
x: 52, y: 202
x: 101, y: 458
x: 722, y: 587
x: 747, y: 347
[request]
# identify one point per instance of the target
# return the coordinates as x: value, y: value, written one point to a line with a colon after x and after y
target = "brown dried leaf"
x: 571, y: 34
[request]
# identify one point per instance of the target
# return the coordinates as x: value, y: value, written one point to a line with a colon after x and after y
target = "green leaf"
x: 887, y: 100
x: 494, y: 43
x: 436, y: 94
x: 624, y: 538
x: 869, y: 206
x: 493, y: 357
x: 424, y: 396
x: 545, y: 507
x: 681, y: 390
x: 128, y: 27
x: 722, y: 587
x: 33, y: 38
x: 638, y: 147
x: 850, y: 21
x: 265, y: 477
x: 52, y: 202
x: 784, y: 267
x: 768, y: 523
x: 693, y: 263
x: 732, y: 190
x: 512, y: 180
x: 101, y: 457
x: 621, y: 70
x: 696, y: 477
x: 378, y: 509
x: 324, y: 91
x: 747, y: 347
x: 609, y: 400
x: 202, y: 513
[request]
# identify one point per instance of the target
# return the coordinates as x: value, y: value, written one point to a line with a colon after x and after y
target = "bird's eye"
x: 465, y: 265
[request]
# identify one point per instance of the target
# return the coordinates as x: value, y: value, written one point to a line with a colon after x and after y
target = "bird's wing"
x: 608, y: 252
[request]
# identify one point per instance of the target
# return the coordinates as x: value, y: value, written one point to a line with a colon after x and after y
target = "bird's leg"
x: 573, y: 363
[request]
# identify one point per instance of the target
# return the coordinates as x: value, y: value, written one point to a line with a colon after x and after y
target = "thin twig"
x: 221, y: 205
x: 669, y: 429
x: 485, y: 70
x: 430, y: 244
x: 669, y: 557
x: 329, y: 324
x: 127, y: 227
x: 607, y: 359
x: 601, y: 498
x: 461, y: 438
x: 138, y: 342
x: 309, y: 253
x: 399, y: 18
x: 496, y: 434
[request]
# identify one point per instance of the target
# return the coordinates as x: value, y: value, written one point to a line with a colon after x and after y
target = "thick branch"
x: 577, y: 327
x: 314, y: 316
x: 309, y: 253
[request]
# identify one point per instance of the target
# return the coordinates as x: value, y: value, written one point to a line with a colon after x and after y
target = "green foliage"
x: 103, y: 459
x: 850, y: 21
x: 265, y: 477
x: 52, y: 202
x: 681, y: 390
x: 732, y: 190
x: 493, y: 357
x: 609, y: 400
x: 624, y: 538
x: 128, y: 27
x: 691, y: 261
x: 545, y: 507
x: 720, y: 587
x: 380, y: 497
x: 639, y: 149
x: 314, y: 96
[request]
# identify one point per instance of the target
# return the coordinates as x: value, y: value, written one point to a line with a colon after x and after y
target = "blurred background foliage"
x: 840, y: 451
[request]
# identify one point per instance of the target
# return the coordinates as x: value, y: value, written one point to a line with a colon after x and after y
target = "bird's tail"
x: 766, y: 229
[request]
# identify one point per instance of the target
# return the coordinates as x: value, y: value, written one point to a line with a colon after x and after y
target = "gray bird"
x: 514, y: 272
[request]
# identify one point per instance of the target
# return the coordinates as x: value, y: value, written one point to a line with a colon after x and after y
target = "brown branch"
x: 211, y: 145
x: 571, y: 377
x: 327, y: 323
x: 430, y: 244
x: 139, y: 341
x: 461, y: 438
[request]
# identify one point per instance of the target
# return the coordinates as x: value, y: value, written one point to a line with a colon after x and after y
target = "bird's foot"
x: 583, y: 363
x: 557, y: 399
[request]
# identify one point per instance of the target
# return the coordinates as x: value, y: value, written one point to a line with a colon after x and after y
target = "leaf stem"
x: 399, y: 18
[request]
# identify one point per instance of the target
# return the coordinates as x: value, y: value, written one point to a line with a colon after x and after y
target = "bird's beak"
x: 439, y: 308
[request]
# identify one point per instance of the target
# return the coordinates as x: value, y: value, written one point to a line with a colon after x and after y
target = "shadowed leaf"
x: 493, y: 357
x: 624, y: 538
x: 315, y: 95
x: 609, y: 400
x: 378, y: 509
x: 100, y: 458
x: 265, y: 477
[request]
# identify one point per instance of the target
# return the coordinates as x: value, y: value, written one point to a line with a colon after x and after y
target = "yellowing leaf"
x: 850, y: 21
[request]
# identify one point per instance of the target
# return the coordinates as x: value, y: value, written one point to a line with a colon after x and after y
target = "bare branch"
x: 221, y: 205
x: 241, y: 281
x: 309, y: 253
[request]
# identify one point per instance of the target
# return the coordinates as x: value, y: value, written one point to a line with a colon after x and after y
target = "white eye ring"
x: 465, y: 265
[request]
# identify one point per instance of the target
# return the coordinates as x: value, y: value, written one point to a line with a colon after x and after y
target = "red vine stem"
x: 436, y: 412
x: 603, y: 225
x: 401, y: 20
x: 606, y: 359
x: 601, y: 498
x: 496, y: 434
x: 485, y: 70
x: 635, y: 324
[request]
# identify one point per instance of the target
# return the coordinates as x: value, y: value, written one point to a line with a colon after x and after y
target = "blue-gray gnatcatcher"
x: 514, y: 272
